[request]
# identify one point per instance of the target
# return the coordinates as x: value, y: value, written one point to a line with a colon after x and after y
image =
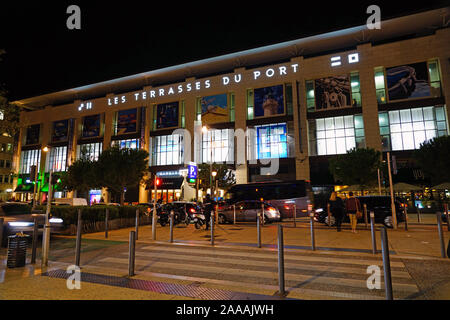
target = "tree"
x: 81, y: 176
x: 225, y: 176
x: 433, y: 157
x: 118, y: 169
x: 357, y: 167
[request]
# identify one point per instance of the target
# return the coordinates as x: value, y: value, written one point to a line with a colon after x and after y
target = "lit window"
x: 89, y: 151
x: 336, y: 135
x: 168, y: 150
x: 57, y: 159
x: 407, y: 129
x: 271, y: 141
x: 29, y: 158
x: 128, y: 143
x: 222, y: 145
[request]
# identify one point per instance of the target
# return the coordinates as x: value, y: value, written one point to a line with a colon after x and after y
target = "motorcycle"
x: 164, y: 215
x: 198, y: 219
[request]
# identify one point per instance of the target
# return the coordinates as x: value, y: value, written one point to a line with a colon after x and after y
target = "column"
x: 240, y: 142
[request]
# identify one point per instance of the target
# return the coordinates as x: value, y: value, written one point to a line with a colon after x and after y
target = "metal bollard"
x: 211, y: 222
x: 35, y: 240
x: 154, y: 221
x: 372, y: 230
x: 171, y: 226
x: 106, y: 223
x: 281, y: 261
x: 258, y: 229
x: 295, y: 215
x: 386, y: 264
x: 234, y: 214
x: 1, y: 231
x: 329, y: 215
x: 365, y: 216
x: 131, y: 253
x: 419, y: 220
x: 441, y: 234
x: 313, y: 240
x: 262, y: 217
x: 78, y: 243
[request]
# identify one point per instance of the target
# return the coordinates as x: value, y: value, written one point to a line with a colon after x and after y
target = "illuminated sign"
x: 352, y: 58
x: 85, y: 106
x: 192, y: 171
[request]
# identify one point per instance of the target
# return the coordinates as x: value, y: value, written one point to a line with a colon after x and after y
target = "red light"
x: 192, y: 210
x: 158, y: 181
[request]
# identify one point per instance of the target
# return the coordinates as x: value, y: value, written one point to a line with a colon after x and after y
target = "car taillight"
x: 192, y: 210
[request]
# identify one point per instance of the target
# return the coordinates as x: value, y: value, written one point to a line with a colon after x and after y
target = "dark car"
x: 247, y: 211
x: 380, y: 205
x: 18, y: 218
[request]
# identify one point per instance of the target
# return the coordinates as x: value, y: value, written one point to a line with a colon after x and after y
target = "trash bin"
x: 17, y: 250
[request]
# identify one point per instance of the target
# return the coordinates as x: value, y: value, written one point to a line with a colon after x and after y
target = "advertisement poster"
x: 91, y: 126
x: 408, y: 81
x: 269, y: 101
x: 215, y: 109
x: 333, y: 92
x: 126, y: 121
x: 33, y: 134
x: 60, y: 131
x: 167, y: 115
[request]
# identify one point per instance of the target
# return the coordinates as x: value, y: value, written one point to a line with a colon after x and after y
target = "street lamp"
x: 205, y: 130
x: 214, y: 174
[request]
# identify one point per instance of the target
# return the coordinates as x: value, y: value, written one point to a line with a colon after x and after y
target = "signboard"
x: 192, y: 171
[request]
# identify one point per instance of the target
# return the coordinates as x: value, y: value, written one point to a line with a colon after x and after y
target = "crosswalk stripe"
x: 267, y: 254
x: 409, y: 288
x: 249, y: 262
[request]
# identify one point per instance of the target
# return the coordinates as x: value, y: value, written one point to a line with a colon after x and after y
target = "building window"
x: 57, y: 159
x: 183, y: 114
x: 380, y: 85
x: 310, y: 99
x: 126, y: 122
x: 198, y: 108
x: 356, y: 89
x: 1, y: 179
x: 91, y: 126
x: 2, y: 115
x: 89, y: 151
x: 232, y: 107
x: 435, y: 78
x: 9, y: 147
x: 29, y: 158
x: 270, y: 141
x: 168, y: 150
x: 222, y: 145
x: 406, y: 129
x: 8, y: 164
x: 250, y: 105
x: 129, y: 143
x: 336, y: 135
x: 289, y: 102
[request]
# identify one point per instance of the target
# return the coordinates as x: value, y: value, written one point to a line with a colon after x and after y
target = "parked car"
x: 71, y: 201
x: 18, y: 218
x: 247, y: 211
x: 380, y: 205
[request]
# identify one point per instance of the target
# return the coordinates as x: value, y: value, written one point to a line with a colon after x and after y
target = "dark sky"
x: 120, y: 38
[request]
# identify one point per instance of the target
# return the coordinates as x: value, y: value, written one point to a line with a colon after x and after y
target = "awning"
x: 442, y: 186
x: 401, y: 186
x: 167, y: 183
x: 25, y: 188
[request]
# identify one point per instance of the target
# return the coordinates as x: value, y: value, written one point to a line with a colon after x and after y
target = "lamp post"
x: 214, y: 174
x: 205, y: 130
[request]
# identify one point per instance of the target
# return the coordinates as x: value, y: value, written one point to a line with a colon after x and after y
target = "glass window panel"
x: 330, y: 134
x: 383, y: 119
x: 428, y: 113
x: 331, y: 146
x: 349, y: 132
x: 348, y: 121
x: 379, y: 80
x: 396, y: 140
x: 408, y: 140
x: 340, y: 145
x: 321, y: 147
x: 384, y: 130
x: 359, y: 132
x: 431, y: 134
x: 417, y: 114
x: 340, y: 133
x: 429, y: 125
x: 418, y: 126
x: 394, y: 117
x: 339, y: 122
x: 359, y: 124
x: 434, y: 71
x: 419, y: 137
x: 350, y: 142
x: 405, y: 115
x: 407, y: 127
x: 396, y: 128
x: 441, y: 125
x: 440, y: 114
x: 320, y: 124
x: 320, y: 134
x: 329, y: 123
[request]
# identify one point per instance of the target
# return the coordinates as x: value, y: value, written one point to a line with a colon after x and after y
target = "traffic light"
x: 158, y: 182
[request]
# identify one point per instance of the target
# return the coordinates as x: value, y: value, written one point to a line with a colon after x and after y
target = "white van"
x: 70, y: 202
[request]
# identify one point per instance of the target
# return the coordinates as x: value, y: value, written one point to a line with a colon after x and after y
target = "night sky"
x: 121, y: 38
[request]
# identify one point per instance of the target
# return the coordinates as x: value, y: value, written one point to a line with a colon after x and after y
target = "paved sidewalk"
x: 336, y: 270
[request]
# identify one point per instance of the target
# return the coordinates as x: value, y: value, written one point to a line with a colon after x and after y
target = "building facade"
x: 276, y: 112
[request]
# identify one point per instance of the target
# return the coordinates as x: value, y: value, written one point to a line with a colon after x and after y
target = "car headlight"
x: 272, y: 211
x: 56, y: 220
x: 319, y: 210
x: 20, y: 224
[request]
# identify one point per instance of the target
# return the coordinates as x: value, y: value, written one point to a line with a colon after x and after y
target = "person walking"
x: 209, y: 209
x: 353, y: 209
x: 336, y: 208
